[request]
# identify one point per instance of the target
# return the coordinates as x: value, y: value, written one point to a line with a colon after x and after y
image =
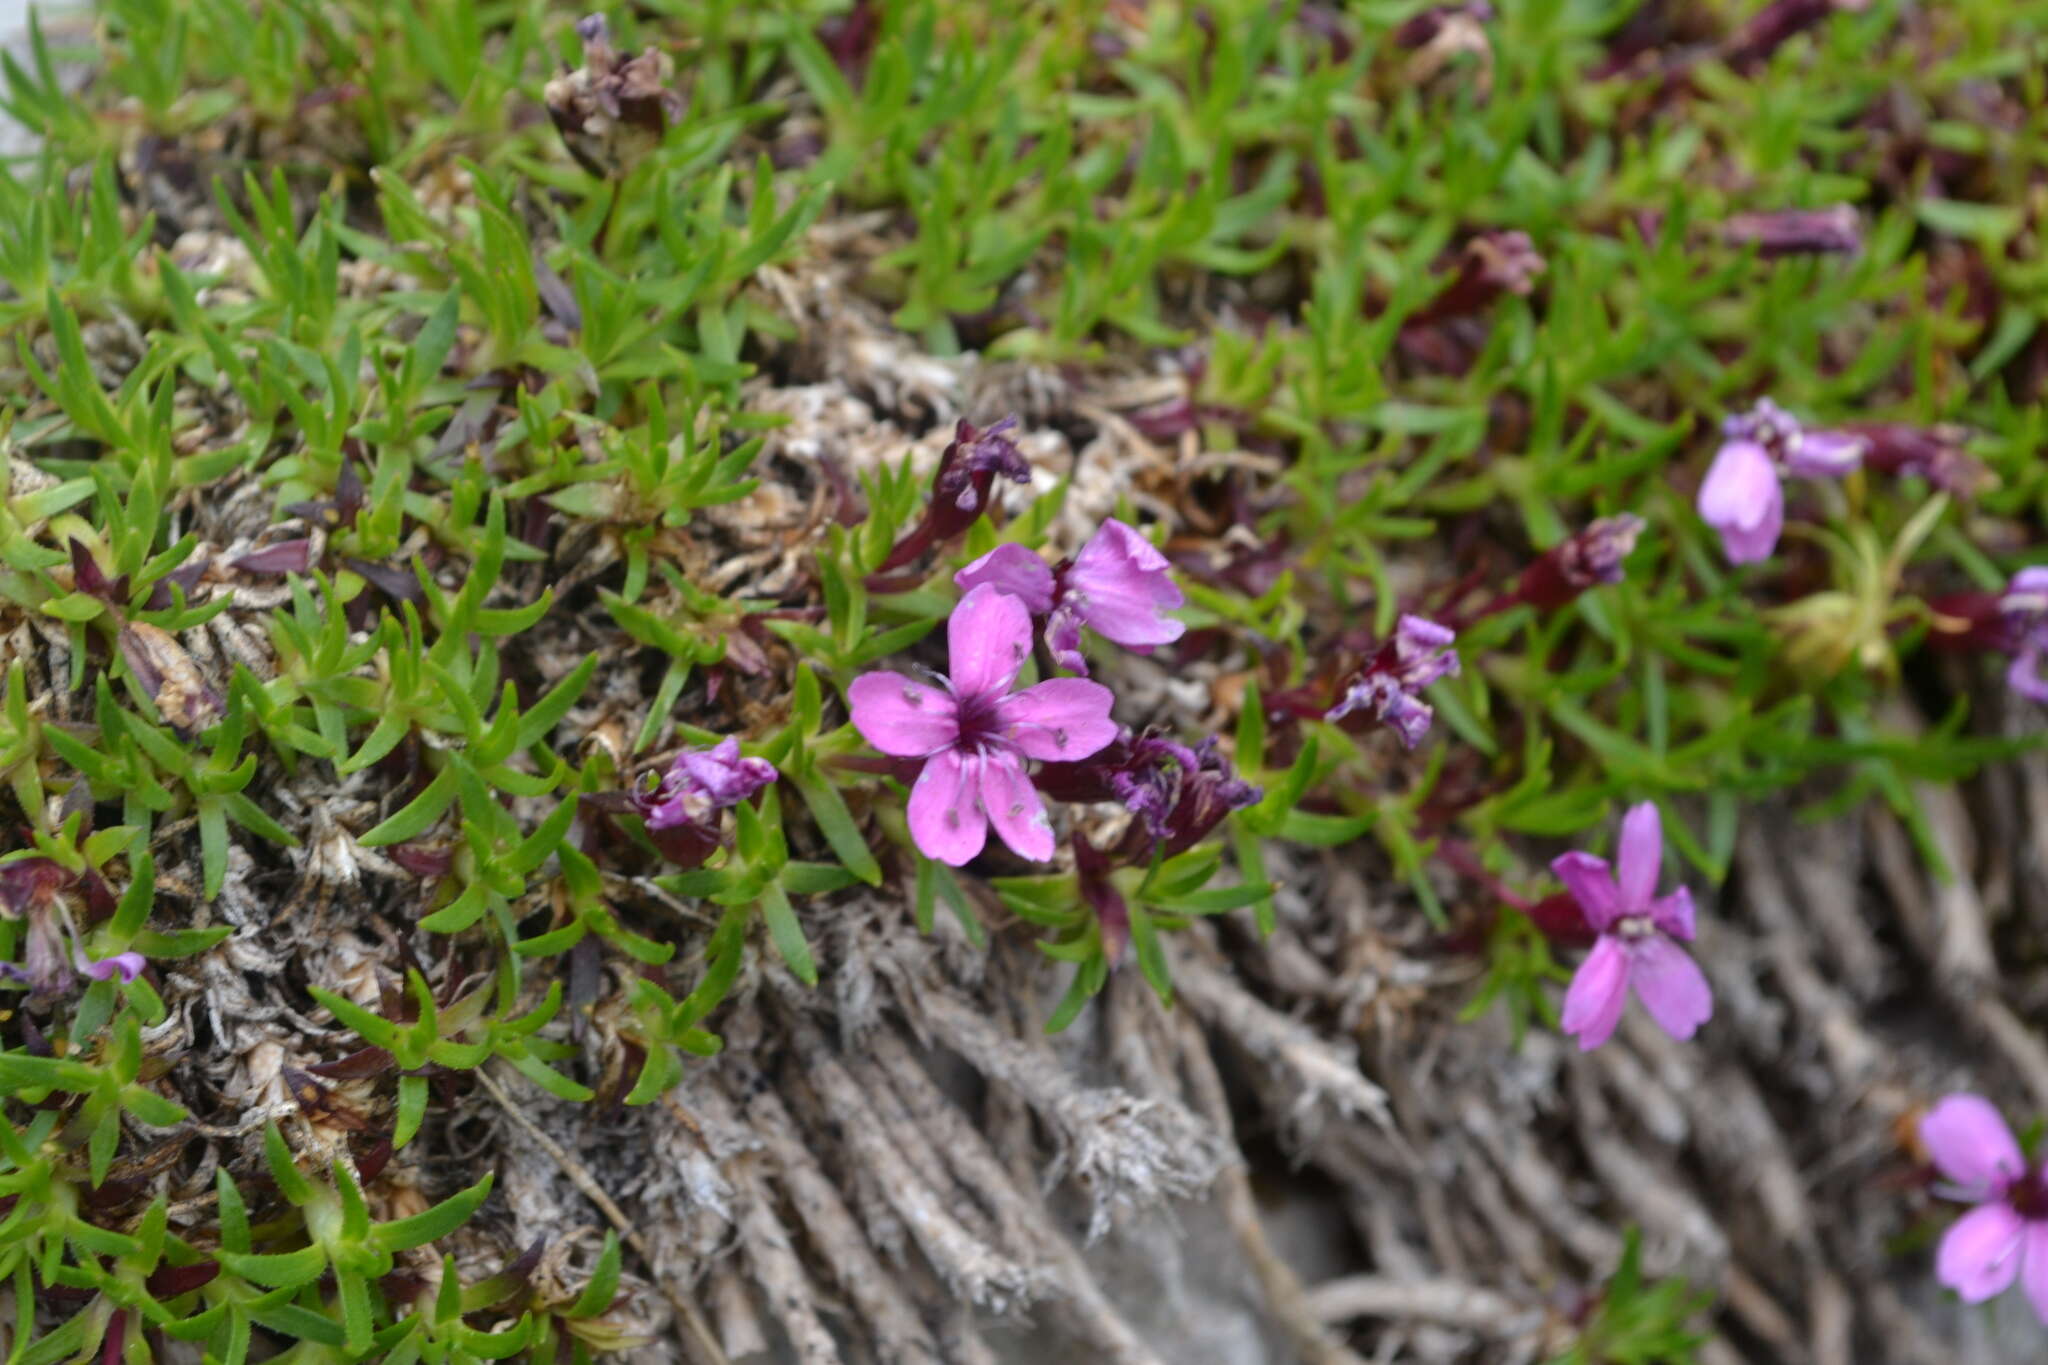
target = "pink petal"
x: 127, y: 966
x: 1674, y: 914
x: 1971, y: 1145
x: 1641, y: 857
x: 1741, y: 498
x: 1586, y: 877
x: 946, y: 818
x: 2034, y: 1269
x: 1125, y: 585
x: 989, y: 634
x: 1059, y: 719
x: 902, y: 716
x: 1014, y: 807
x: 1980, y: 1255
x: 1014, y: 570
x: 1671, y: 985
x: 1593, y: 1002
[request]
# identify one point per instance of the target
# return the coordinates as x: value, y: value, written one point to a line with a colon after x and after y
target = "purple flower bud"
x: 1797, y: 232
x: 1582, y: 561
x: 700, y: 783
x: 1742, y: 501
x: 967, y: 473
x: 1178, y: 793
x: 1419, y: 654
x: 30, y: 883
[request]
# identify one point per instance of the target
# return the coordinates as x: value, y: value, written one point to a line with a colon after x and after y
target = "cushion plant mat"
x: 422, y: 425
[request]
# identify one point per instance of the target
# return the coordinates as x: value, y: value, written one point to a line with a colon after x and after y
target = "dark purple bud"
x: 1934, y: 453
x: 185, y: 576
x: 1493, y: 264
x: 89, y: 578
x: 1112, y: 915
x: 966, y: 476
x: 1832, y: 231
x: 168, y: 1282
x: 1592, y: 557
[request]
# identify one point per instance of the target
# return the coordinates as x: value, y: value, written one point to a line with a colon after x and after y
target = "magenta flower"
x: 1639, y: 937
x: 974, y: 734
x: 2006, y: 1236
x: 2024, y: 608
x: 1388, y: 687
x: 1119, y: 586
x: 1741, y: 497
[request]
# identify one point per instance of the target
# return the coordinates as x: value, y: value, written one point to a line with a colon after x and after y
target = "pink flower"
x: 974, y: 733
x: 2006, y: 1236
x: 1119, y: 586
x: 1639, y: 936
x: 1741, y: 499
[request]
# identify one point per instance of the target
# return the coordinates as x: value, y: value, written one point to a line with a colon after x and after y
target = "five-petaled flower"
x: 1119, y: 586
x: 974, y: 733
x: 2006, y: 1236
x: 1742, y: 498
x: 1639, y: 937
x: 1387, y: 688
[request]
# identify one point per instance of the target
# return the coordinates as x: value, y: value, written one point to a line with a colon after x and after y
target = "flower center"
x: 1634, y: 927
x: 978, y: 720
x: 2029, y: 1196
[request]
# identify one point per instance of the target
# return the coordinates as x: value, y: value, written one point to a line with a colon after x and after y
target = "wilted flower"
x: 961, y: 487
x: 974, y: 734
x: 1934, y: 453
x: 701, y: 782
x: 1741, y: 497
x: 1119, y: 586
x: 612, y: 111
x: 2006, y: 1236
x: 1797, y: 232
x: 34, y: 889
x: 1388, y: 687
x: 1591, y: 557
x: 1493, y: 264
x: 1179, y: 793
x: 681, y: 807
x: 1639, y: 937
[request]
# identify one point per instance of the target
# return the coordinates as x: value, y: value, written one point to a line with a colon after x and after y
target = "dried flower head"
x: 612, y: 112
